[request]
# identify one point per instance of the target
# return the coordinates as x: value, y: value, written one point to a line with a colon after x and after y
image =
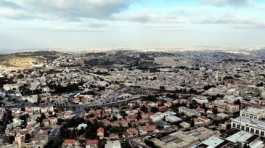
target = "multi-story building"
x: 253, y: 126
x: 249, y: 121
x: 253, y: 113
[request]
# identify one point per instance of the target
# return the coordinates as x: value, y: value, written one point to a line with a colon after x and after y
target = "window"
x: 262, y: 133
x: 234, y: 125
x: 238, y: 126
x: 247, y: 129
x: 252, y: 130
x: 257, y: 132
x: 242, y: 127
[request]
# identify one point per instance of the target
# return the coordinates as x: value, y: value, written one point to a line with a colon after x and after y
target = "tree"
x: 151, y: 98
x: 151, y: 144
x: 114, y: 118
x: 204, y: 107
x: 123, y: 113
x: 27, y: 138
x: 215, y: 110
x: 125, y: 144
x: 115, y: 130
x: 54, y: 143
x: 144, y: 109
x: 139, y: 116
x: 64, y: 132
x: 154, y: 109
x: 162, y: 88
x: 91, y: 130
x: 192, y: 123
x: 193, y: 104
x: 238, y: 102
x: 74, y: 122
x: 10, y: 139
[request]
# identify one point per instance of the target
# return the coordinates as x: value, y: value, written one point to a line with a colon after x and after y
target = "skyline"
x: 107, y: 24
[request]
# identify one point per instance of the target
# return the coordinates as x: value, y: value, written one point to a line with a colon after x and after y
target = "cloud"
x: 9, y: 4
x: 229, y: 2
x: 229, y: 19
x: 67, y: 9
x: 182, y: 18
x: 9, y: 9
x: 152, y: 17
x: 16, y: 14
x: 91, y: 26
x: 90, y: 15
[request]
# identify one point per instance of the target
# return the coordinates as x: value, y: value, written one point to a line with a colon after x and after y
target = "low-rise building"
x: 188, y: 112
x: 212, y: 142
x: 182, y: 139
x: 200, y: 100
x: 113, y: 144
x: 92, y: 143
x: 100, y: 132
x: 71, y: 143
x: 173, y: 119
x: 241, y: 137
x: 157, y: 117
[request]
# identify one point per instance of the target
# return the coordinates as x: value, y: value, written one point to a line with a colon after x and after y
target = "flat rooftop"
x: 213, y: 142
x: 253, y: 110
x: 241, y: 136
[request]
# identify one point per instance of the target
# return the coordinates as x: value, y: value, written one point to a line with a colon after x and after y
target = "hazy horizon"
x: 228, y: 50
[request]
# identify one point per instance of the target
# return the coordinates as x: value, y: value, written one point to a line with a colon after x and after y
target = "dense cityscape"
x: 132, y: 74
x: 132, y: 99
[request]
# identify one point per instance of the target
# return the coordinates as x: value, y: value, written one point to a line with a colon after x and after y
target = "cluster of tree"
x: 26, y: 91
x: 68, y: 88
x: 6, y: 119
x: 150, y: 143
x: 89, y: 132
x: 5, y: 80
x: 151, y: 98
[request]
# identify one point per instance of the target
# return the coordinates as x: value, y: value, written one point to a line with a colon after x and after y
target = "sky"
x: 132, y: 24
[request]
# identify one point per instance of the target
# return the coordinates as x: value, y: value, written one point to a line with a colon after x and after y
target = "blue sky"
x: 105, y: 24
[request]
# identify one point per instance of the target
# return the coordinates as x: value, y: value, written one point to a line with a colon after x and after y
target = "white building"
x: 31, y: 99
x: 200, y: 100
x: 185, y: 125
x: 188, y: 112
x: 212, y: 142
x: 157, y: 117
x: 258, y: 143
x: 17, y: 122
x: 246, y: 139
x: 113, y: 144
x: 8, y: 87
x: 249, y: 121
x: 253, y: 126
x: 253, y: 113
x: 173, y: 119
x: 239, y: 137
x: 169, y: 116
